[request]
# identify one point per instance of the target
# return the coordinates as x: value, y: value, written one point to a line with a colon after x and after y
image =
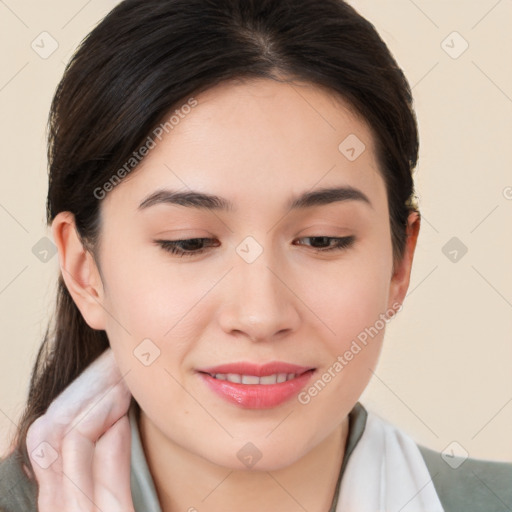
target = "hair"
x: 142, y: 61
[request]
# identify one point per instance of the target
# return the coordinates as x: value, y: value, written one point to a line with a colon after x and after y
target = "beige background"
x: 445, y: 373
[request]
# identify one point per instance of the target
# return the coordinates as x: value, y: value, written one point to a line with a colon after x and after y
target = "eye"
x: 193, y: 246
x: 339, y: 243
x: 188, y: 247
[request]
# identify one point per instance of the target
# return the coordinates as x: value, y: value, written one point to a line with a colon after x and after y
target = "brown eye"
x: 322, y: 241
x: 188, y: 247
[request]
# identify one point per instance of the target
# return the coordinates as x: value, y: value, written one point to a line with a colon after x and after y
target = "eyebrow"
x: 204, y: 201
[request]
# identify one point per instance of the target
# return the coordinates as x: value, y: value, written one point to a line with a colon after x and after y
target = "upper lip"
x: 258, y: 370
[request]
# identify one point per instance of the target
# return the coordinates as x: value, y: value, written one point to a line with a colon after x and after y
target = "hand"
x: 87, y: 432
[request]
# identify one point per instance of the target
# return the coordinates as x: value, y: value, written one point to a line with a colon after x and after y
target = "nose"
x: 259, y: 303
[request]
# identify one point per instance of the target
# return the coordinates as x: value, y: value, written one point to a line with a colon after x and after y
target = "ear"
x: 79, y: 271
x: 402, y: 272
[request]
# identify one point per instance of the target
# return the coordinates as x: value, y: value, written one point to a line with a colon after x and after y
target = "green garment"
x: 474, y: 486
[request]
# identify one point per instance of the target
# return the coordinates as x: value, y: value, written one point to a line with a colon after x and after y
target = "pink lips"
x: 253, y: 386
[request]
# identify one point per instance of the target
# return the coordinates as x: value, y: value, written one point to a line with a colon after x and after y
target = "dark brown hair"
x: 142, y: 61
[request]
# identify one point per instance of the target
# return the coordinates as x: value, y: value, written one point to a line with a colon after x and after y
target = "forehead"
x: 278, y: 113
x: 246, y: 140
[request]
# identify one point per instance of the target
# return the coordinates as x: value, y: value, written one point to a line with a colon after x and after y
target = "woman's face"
x: 261, y: 291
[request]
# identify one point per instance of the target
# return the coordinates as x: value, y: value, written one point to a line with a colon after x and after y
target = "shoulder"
x: 469, y: 484
x: 18, y: 493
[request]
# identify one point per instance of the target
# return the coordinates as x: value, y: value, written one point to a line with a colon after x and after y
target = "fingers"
x: 99, y: 393
x: 112, y: 467
x: 80, y: 449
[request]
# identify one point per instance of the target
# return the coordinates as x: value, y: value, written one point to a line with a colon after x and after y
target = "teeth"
x: 268, y: 379
x: 250, y: 379
x: 275, y: 378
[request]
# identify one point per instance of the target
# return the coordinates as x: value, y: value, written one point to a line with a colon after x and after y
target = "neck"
x: 186, y: 482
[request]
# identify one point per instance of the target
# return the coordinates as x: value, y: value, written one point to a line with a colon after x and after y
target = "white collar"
x: 386, y: 471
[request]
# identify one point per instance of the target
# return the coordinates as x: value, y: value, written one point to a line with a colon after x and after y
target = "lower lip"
x: 257, y: 396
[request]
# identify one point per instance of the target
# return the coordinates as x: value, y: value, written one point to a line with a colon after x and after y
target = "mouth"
x: 253, y: 386
x: 251, y: 380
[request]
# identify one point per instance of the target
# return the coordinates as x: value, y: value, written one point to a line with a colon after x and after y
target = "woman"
x: 231, y: 195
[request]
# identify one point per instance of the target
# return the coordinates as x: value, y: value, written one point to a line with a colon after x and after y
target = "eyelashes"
x: 195, y: 246
x: 176, y: 246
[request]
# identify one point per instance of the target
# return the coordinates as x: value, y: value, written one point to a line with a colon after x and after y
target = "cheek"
x: 356, y: 304
x: 351, y: 300
x: 155, y: 316
x: 153, y: 300
x: 353, y: 306
x: 347, y: 297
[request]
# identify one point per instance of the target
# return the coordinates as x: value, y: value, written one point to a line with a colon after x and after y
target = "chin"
x: 257, y: 455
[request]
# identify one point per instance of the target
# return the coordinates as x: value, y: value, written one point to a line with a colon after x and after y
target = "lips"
x: 259, y: 370
x: 253, y: 386
x: 238, y: 378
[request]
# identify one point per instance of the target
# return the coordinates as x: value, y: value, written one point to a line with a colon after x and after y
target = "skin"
x: 80, y: 448
x: 256, y: 144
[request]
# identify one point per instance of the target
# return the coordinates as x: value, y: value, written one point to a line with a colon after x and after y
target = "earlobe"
x: 79, y: 271
x: 402, y: 274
